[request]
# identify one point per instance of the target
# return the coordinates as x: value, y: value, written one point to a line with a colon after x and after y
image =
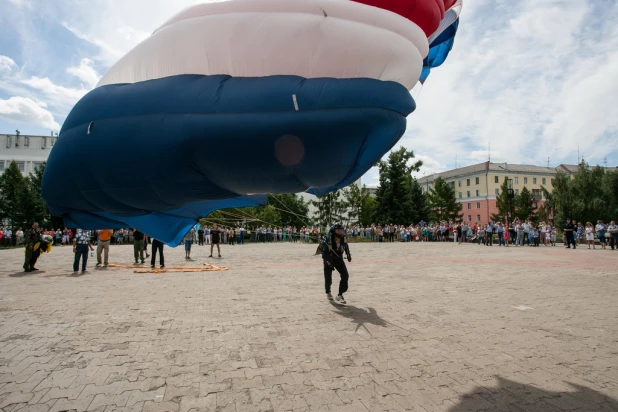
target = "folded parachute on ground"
x: 229, y: 100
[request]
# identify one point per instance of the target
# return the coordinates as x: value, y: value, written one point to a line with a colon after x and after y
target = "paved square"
x: 428, y: 327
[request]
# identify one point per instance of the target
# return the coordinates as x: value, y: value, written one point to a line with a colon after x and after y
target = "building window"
x: 516, y: 192
x: 478, y: 205
x: 516, y: 180
x: 496, y: 179
x: 477, y: 193
x: 544, y: 181
x: 469, y: 218
x: 468, y: 193
x: 452, y: 185
x: 460, y: 195
x: 21, y: 166
x: 525, y: 180
x: 469, y: 206
x: 459, y: 183
x: 497, y: 192
x: 1, y: 166
x: 36, y: 165
x: 534, y: 180
x: 478, y: 218
x: 478, y: 180
x: 467, y: 182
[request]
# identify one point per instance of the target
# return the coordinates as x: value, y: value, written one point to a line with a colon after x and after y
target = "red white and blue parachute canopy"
x: 225, y: 102
x: 258, y: 38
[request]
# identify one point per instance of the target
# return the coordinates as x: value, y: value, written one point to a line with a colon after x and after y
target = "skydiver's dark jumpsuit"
x: 32, y: 237
x: 333, y: 259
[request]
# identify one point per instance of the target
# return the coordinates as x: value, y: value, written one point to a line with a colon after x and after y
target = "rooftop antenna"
x: 577, y: 154
x: 548, y: 162
x: 605, y: 162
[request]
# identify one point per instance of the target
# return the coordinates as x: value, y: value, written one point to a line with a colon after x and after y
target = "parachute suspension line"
x: 288, y: 210
x: 244, y: 217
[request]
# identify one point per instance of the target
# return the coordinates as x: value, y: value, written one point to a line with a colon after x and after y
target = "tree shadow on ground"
x: 511, y: 396
x: 359, y: 316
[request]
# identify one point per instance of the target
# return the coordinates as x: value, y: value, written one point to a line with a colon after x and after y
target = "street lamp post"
x: 510, y: 194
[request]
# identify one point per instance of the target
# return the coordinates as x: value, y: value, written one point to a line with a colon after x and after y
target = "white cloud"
x: 24, y: 109
x: 58, y: 94
x: 535, y: 81
x: 430, y: 166
x: 6, y: 64
x: 86, y: 73
x: 22, y: 3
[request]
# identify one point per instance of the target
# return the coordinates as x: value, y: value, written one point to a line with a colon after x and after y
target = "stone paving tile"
x: 428, y: 327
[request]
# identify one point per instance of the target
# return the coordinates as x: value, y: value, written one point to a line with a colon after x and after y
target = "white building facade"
x: 26, y: 150
x: 307, y: 197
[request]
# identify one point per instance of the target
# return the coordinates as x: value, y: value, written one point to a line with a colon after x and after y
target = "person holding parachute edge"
x: 332, y: 248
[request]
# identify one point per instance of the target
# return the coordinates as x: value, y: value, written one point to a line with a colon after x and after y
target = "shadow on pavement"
x: 512, y: 396
x: 359, y: 316
x: 23, y: 274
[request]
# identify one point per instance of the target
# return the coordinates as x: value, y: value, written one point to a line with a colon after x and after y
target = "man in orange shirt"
x: 104, y: 237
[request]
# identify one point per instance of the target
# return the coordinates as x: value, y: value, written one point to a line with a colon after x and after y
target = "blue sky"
x: 533, y: 78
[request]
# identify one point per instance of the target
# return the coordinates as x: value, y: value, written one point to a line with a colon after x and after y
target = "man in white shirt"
x: 489, y: 234
x: 241, y: 234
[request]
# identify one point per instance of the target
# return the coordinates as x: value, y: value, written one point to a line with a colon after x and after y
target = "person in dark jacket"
x: 333, y: 247
x: 157, y: 246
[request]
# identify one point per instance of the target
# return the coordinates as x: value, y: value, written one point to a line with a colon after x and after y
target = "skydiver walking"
x: 333, y: 246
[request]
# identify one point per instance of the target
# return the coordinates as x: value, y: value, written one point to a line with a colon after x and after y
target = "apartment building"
x: 477, y: 186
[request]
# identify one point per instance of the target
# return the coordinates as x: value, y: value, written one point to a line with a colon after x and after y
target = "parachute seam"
x: 236, y: 113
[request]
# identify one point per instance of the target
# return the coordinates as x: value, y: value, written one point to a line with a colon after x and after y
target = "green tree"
x: 419, y: 204
x: 588, y: 195
x: 524, y: 205
x: 394, y: 193
x: 331, y: 208
x: 610, y: 189
x: 368, y: 211
x: 270, y: 216
x: 293, y: 210
x: 588, y: 202
x: 505, y: 206
x: 442, y: 201
x: 354, y: 197
x: 13, y: 189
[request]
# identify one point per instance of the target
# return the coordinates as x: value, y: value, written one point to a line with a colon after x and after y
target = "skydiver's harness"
x: 329, y: 241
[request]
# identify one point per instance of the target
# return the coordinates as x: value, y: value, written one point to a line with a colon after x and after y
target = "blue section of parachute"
x: 159, y: 154
x: 168, y: 227
x: 439, y: 50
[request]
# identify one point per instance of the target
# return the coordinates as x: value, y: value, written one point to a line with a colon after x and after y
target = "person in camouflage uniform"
x: 32, y: 237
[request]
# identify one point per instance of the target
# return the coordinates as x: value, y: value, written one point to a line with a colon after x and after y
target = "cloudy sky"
x: 535, y: 79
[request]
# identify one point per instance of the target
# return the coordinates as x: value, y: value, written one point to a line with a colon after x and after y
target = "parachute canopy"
x: 226, y: 102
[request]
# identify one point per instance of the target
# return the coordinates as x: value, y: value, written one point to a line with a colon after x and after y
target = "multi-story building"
x: 477, y: 186
x: 27, y: 151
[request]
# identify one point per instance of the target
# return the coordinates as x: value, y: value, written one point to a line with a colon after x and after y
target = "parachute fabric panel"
x: 334, y: 39
x: 182, y: 131
x: 168, y: 227
x: 439, y: 50
x: 427, y: 14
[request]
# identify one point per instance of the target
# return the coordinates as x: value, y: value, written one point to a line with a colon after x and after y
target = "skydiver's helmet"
x: 338, y: 230
x: 46, y: 243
